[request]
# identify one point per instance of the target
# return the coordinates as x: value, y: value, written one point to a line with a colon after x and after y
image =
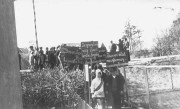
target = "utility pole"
x: 35, y: 26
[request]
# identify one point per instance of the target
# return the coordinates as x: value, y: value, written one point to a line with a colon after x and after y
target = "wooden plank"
x: 157, y: 66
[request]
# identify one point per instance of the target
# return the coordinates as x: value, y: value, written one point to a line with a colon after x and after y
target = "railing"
x: 153, y: 87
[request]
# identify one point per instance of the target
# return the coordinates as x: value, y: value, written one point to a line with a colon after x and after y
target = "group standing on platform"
x: 39, y: 59
x: 123, y: 45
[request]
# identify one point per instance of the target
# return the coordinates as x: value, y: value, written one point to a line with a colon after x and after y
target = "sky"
x: 74, y: 21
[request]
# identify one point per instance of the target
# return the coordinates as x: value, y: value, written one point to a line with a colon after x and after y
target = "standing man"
x: 113, y: 47
x: 47, y: 57
x: 126, y: 48
x: 36, y: 57
x: 120, y: 45
x: 31, y: 57
x: 116, y: 86
x: 41, y: 59
x: 126, y: 44
x: 52, y: 58
x: 57, y: 55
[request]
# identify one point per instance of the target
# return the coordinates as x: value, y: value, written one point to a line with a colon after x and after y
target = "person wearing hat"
x: 116, y: 86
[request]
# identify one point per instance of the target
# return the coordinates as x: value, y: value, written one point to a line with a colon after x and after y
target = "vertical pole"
x: 147, y: 88
x: 90, y: 75
x: 127, y: 97
x: 90, y: 83
x: 85, y: 89
x: 171, y: 78
x: 10, y: 82
x: 35, y: 26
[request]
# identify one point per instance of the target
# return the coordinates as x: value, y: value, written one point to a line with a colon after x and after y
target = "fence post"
x: 171, y: 78
x: 147, y: 88
x: 127, y: 97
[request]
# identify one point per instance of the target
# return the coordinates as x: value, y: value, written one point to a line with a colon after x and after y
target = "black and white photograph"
x: 89, y: 54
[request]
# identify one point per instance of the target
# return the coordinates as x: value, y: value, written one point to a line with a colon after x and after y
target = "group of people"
x: 123, y: 45
x: 39, y: 59
x: 107, y: 85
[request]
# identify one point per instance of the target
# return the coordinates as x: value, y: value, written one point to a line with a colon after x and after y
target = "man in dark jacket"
x: 41, y: 59
x: 113, y: 47
x: 116, y: 86
x: 120, y: 45
x: 52, y: 58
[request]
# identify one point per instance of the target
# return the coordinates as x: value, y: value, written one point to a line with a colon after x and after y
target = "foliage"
x: 51, y: 88
x: 132, y: 33
x: 169, y: 43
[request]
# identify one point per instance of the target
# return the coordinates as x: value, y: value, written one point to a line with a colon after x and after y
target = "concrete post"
x: 10, y: 87
x: 147, y: 88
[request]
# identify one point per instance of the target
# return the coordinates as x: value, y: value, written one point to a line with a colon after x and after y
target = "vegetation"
x: 133, y: 34
x: 169, y: 42
x: 51, y: 88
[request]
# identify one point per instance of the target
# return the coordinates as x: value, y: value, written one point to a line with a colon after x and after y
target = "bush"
x: 51, y: 88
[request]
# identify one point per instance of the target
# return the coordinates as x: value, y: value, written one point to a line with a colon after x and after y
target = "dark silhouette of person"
x: 116, y: 87
x: 47, y: 57
x: 126, y: 44
x: 126, y: 48
x: 52, y: 58
x: 120, y: 45
x: 113, y: 47
x: 36, y: 57
x: 41, y: 59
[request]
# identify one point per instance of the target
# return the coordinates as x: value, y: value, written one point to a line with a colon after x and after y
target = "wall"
x: 10, y: 87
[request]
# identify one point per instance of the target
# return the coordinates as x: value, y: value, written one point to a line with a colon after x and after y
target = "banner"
x: 71, y: 54
x: 89, y: 49
x: 71, y: 57
x: 115, y: 59
x: 102, y: 55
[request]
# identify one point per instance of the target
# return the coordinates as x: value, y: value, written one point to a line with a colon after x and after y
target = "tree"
x: 133, y: 36
x: 169, y: 42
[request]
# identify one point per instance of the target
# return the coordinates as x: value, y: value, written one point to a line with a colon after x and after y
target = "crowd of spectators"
x: 39, y: 59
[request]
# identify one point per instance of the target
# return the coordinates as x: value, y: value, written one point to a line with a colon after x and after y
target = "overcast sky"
x: 67, y: 21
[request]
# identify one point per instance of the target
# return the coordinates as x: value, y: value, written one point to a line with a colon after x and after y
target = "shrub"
x: 51, y: 88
